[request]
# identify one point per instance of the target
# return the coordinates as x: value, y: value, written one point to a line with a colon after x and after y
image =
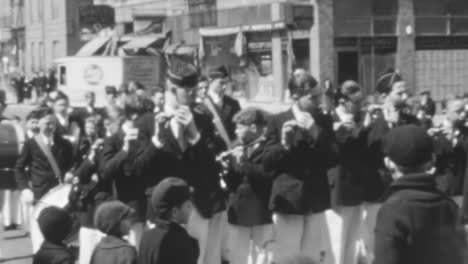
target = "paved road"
x: 15, y: 248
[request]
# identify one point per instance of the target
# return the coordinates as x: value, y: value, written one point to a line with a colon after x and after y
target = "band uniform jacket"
x: 378, y: 178
x: 227, y: 110
x: 250, y: 186
x: 306, y: 164
x: 168, y: 243
x: 418, y: 224
x: 125, y: 168
x: 196, y: 165
x: 347, y: 177
x: 42, y: 176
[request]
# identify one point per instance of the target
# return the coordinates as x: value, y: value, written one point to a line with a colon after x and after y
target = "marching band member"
x: 250, y: 220
x: 49, y: 157
x: 303, y: 150
x: 122, y: 161
x: 393, y: 93
x: 225, y: 106
x: 185, y: 146
x: 451, y: 145
x: 347, y: 187
x: 91, y: 190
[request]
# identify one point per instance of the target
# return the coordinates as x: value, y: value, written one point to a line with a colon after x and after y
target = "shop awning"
x: 142, y: 42
x: 92, y: 47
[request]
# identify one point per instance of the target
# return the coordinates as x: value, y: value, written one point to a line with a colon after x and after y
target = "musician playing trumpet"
x: 49, y: 157
x: 249, y: 182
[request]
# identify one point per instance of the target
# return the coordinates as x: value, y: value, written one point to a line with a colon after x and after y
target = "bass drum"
x: 12, y: 137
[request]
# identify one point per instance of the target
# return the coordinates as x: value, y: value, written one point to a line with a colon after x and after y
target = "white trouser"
x: 36, y: 235
x: 344, y: 224
x: 365, y: 245
x: 211, y: 235
x: 245, y: 243
x: 308, y: 235
x: 10, y: 207
x: 89, y: 238
x: 458, y: 200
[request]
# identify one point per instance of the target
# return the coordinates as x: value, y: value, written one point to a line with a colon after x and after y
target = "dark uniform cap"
x: 349, y: 87
x: 408, y: 146
x: 386, y: 81
x: 218, y: 72
x: 169, y: 193
x: 55, y: 224
x: 111, y: 90
x: 59, y: 96
x: 182, y: 74
x: 109, y: 215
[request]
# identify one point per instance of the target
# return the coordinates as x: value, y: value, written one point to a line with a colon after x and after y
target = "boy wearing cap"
x: 303, y: 150
x: 114, y: 219
x: 55, y: 225
x: 169, y: 242
x: 417, y: 223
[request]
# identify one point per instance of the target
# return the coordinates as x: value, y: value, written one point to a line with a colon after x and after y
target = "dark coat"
x: 41, y: 173
x: 377, y: 178
x: 347, y: 177
x: 126, y: 170
x: 418, y: 224
x: 168, y: 243
x: 114, y: 250
x: 450, y: 164
x: 250, y: 184
x: 303, y: 167
x: 196, y: 165
x: 229, y: 108
x: 50, y: 253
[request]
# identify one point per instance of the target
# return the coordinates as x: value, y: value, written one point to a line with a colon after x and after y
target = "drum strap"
x: 218, y: 122
x: 50, y: 158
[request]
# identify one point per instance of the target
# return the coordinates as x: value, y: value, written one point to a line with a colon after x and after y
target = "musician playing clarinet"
x: 303, y: 150
x: 250, y: 220
x: 185, y: 146
x: 393, y: 95
x: 38, y: 155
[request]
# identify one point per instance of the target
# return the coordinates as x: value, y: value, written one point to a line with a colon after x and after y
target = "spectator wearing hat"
x: 68, y: 125
x: 303, y: 150
x: 225, y: 105
x: 114, y: 219
x: 33, y: 164
x: 250, y: 220
x: 169, y: 242
x: 185, y: 146
x: 111, y: 95
x: 416, y: 223
x: 55, y: 225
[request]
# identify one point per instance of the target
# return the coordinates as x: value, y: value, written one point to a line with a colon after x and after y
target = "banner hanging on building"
x: 95, y: 18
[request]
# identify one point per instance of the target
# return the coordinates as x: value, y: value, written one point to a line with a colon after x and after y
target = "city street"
x: 15, y: 248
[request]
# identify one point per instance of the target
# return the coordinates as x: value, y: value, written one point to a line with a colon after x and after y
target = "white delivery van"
x: 77, y: 75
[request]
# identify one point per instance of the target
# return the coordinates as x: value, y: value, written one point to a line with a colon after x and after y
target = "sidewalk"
x: 15, y: 248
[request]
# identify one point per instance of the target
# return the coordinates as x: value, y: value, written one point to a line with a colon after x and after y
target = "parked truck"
x: 77, y: 75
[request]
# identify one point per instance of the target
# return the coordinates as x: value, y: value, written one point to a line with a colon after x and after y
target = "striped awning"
x: 91, y: 47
